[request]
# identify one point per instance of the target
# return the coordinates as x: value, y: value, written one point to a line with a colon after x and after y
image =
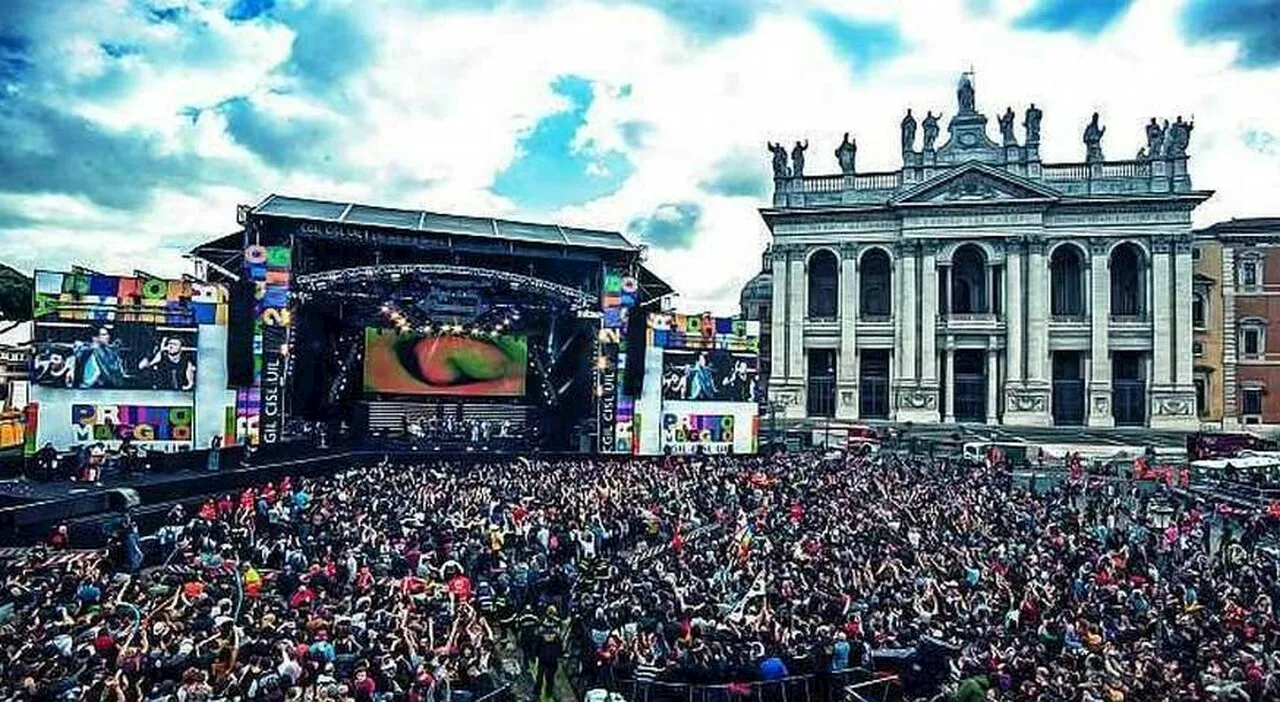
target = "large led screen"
x: 418, y: 364
x: 714, y: 374
x: 114, y: 356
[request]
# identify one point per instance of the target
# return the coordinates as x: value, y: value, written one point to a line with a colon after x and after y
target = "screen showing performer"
x: 170, y: 368
x: 713, y: 374
x: 453, y: 364
x: 128, y: 356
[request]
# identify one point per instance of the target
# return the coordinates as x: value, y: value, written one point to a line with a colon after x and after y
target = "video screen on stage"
x: 114, y: 356
x: 457, y: 364
x: 714, y: 374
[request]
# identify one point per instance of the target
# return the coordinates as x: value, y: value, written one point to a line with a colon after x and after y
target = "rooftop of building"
x: 1158, y: 170
x: 427, y: 222
x: 1243, y: 226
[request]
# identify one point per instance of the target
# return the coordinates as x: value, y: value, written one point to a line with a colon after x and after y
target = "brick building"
x: 1239, y: 274
x: 1206, y: 317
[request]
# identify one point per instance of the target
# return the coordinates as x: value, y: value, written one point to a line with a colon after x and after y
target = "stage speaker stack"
x: 309, y: 387
x: 240, y: 335
x: 637, y: 340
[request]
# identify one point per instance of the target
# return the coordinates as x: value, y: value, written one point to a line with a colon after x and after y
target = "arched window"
x: 1128, y: 281
x: 1066, y: 271
x: 873, y: 284
x: 1199, y: 309
x: 969, y: 281
x: 824, y: 285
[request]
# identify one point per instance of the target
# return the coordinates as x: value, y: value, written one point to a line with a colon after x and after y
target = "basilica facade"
x: 978, y: 284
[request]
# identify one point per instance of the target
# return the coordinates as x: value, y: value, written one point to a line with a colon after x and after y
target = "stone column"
x: 797, y: 377
x: 778, y: 322
x: 1037, y: 314
x: 847, y: 374
x: 929, y: 317
x: 1184, y: 274
x: 913, y: 403
x: 950, y: 416
x: 1173, y: 399
x: 1099, y: 409
x: 993, y: 383
x: 991, y: 285
x: 898, y: 317
x: 1026, y: 395
x: 1162, y: 299
x: 909, y: 315
x: 1014, y: 295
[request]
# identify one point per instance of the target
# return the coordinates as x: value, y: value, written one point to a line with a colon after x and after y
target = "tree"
x: 15, y: 297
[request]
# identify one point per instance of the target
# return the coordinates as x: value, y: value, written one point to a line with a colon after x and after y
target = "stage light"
x: 284, y: 349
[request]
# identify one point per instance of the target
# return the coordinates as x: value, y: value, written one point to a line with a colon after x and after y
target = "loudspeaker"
x: 310, y: 382
x: 240, y: 335
x: 637, y: 340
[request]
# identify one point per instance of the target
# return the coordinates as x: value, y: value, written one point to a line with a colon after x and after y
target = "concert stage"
x: 414, y: 329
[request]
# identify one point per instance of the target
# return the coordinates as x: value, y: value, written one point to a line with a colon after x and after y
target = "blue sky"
x: 132, y: 128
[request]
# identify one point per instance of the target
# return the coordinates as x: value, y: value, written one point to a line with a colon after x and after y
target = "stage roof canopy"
x: 437, y: 223
x: 225, y: 252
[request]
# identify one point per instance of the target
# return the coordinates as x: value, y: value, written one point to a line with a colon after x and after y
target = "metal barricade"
x: 854, y: 685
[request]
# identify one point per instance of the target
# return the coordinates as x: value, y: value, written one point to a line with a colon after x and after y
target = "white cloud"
x: 440, y: 111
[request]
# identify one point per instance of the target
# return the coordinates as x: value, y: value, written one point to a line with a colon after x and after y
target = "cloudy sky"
x: 129, y: 129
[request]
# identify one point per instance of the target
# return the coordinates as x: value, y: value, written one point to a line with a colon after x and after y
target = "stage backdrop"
x: 449, y: 364
x: 705, y: 397
x: 138, y: 356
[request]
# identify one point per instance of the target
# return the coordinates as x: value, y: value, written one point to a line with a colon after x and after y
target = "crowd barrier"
x: 853, y: 685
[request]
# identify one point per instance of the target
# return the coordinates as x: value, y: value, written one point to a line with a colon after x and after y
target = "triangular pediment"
x: 974, y: 182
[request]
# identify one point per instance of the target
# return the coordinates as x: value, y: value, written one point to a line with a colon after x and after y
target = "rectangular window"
x: 1201, y: 407
x: 1195, y: 253
x: 1197, y: 348
x: 1249, y: 274
x: 1252, y: 344
x: 1251, y: 401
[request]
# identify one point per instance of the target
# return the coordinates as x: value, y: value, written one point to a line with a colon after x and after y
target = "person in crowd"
x: 412, y: 582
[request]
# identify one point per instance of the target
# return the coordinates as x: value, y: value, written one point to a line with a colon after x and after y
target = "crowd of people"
x: 395, y: 582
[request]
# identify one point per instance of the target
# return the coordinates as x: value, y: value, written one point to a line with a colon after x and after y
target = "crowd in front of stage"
x: 411, y: 582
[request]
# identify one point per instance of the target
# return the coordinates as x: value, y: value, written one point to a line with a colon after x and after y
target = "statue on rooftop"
x: 1155, y: 139
x: 1032, y: 124
x: 908, y: 132
x: 779, y: 160
x: 964, y: 93
x: 1006, y: 128
x: 1093, y: 140
x: 846, y: 154
x: 1179, y: 138
x: 930, y: 124
x: 797, y: 159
